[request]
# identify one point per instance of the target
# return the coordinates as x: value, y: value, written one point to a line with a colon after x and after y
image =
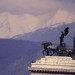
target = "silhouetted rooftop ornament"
x: 66, y: 31
x: 50, y: 49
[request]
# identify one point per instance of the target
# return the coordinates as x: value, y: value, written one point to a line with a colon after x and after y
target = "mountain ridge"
x: 12, y: 25
x: 49, y: 34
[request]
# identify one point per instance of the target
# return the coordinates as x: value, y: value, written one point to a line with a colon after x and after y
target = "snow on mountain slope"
x: 22, y: 24
x: 43, y: 19
x: 61, y: 16
x: 4, y: 25
x: 12, y: 25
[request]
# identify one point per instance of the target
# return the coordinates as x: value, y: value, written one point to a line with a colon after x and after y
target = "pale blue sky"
x: 35, y: 7
x: 71, y: 1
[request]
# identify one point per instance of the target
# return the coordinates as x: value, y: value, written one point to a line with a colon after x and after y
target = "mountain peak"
x: 13, y: 24
x: 62, y: 16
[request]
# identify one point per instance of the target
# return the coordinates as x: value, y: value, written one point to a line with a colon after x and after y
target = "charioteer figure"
x: 61, y: 39
x: 62, y: 49
x: 66, y: 31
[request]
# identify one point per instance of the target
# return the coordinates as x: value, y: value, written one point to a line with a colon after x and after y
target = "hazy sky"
x: 35, y: 7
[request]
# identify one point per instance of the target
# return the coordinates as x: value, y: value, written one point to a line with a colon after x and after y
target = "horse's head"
x: 46, y: 43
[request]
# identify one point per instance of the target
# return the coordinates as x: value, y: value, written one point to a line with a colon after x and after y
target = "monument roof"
x: 54, y: 63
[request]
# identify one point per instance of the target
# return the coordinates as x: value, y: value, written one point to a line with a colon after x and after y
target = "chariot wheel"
x: 51, y: 52
x: 44, y: 52
x: 48, y: 52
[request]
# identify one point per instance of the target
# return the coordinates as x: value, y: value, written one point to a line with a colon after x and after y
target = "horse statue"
x: 48, y: 48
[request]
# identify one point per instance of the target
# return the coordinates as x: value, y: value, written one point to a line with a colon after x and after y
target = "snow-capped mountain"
x: 12, y: 25
x: 60, y: 17
x: 4, y: 25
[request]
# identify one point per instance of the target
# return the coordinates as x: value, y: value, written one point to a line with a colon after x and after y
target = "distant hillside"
x: 16, y: 56
x: 50, y: 34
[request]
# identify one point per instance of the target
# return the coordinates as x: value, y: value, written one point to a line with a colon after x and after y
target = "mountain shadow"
x: 50, y: 34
